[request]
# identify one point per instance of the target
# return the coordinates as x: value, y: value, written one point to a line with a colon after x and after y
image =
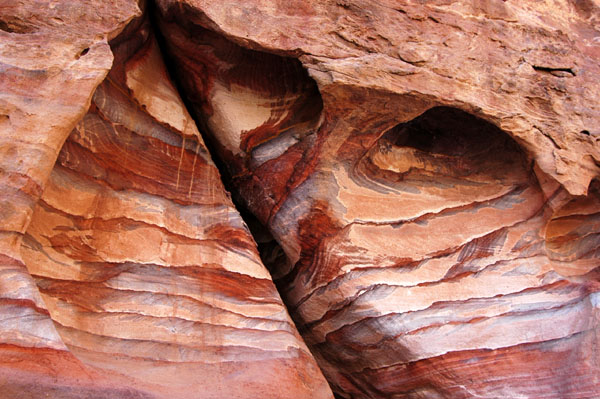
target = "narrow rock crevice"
x: 146, y: 267
x: 559, y: 72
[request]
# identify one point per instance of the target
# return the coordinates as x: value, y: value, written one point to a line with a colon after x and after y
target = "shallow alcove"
x: 573, y: 236
x: 252, y: 106
x: 441, y: 252
x: 243, y: 97
x: 448, y: 148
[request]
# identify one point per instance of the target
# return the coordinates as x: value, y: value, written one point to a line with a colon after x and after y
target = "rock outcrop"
x: 151, y: 284
x: 422, y: 179
x: 52, y: 57
x: 423, y: 168
x: 528, y: 68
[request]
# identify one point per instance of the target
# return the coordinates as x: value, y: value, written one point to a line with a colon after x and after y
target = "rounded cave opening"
x: 446, y: 145
x: 451, y: 223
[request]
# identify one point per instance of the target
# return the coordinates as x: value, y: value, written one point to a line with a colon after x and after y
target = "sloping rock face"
x: 141, y: 278
x: 428, y: 171
x: 52, y: 56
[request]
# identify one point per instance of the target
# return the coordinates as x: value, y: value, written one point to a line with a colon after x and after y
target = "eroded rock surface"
x: 429, y: 170
x: 530, y: 68
x: 52, y: 57
x: 151, y: 284
x: 430, y: 202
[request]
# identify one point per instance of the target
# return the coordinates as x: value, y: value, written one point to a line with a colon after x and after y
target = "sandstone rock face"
x: 423, y: 175
x: 151, y: 284
x: 529, y: 68
x: 430, y: 187
x: 52, y: 57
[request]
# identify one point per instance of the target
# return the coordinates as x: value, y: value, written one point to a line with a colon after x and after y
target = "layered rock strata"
x: 429, y: 202
x: 426, y: 167
x: 52, y: 57
x: 150, y: 283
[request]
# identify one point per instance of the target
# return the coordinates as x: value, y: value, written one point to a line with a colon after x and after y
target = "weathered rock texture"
x: 430, y: 187
x: 529, y: 68
x: 429, y: 170
x: 52, y: 56
x: 151, y: 284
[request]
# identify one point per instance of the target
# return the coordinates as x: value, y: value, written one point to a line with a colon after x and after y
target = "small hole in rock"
x: 83, y: 52
x: 586, y: 132
x: 15, y: 27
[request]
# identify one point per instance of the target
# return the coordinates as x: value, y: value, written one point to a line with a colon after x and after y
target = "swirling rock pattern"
x: 428, y: 169
x: 530, y: 68
x: 151, y: 284
x: 429, y: 254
